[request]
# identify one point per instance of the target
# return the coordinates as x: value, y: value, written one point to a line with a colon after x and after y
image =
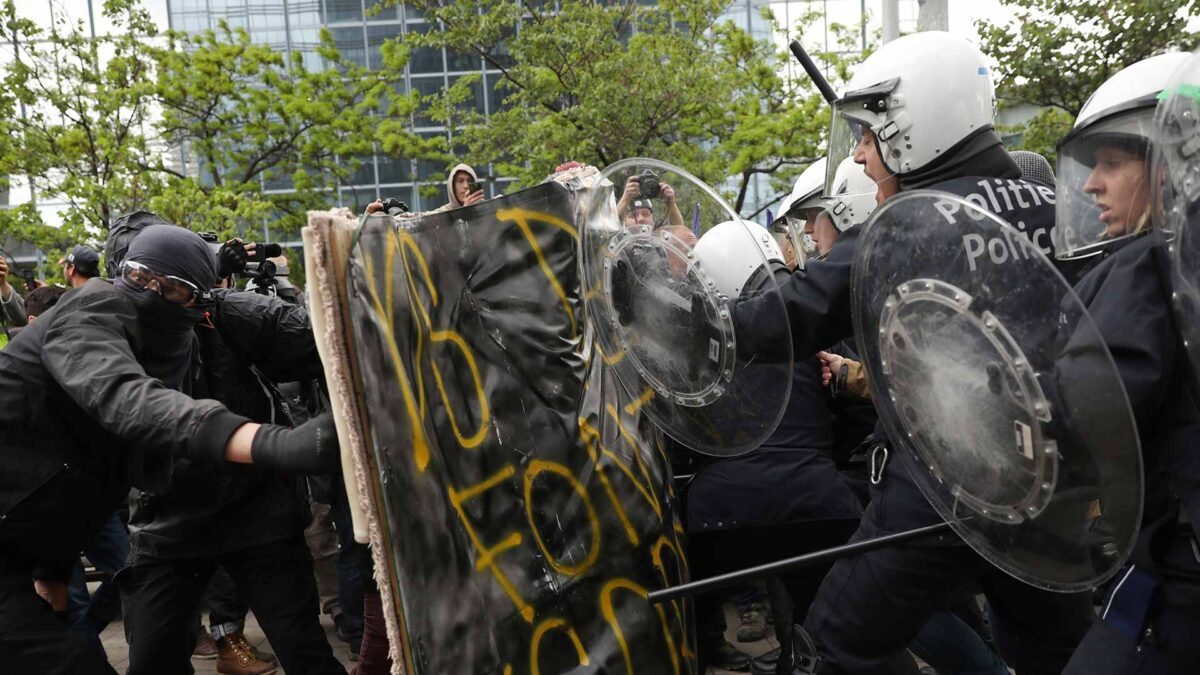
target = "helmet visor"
x: 845, y: 133
x: 1103, y: 192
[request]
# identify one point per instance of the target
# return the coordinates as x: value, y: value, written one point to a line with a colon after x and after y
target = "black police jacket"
x: 251, y: 342
x: 1127, y: 294
x: 81, y: 421
x: 791, y: 478
x: 818, y: 304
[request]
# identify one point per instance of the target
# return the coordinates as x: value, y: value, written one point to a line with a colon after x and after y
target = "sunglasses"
x: 172, y: 289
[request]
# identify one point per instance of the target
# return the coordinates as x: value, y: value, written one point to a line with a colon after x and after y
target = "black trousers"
x: 160, y: 598
x: 35, y: 641
x: 870, y: 607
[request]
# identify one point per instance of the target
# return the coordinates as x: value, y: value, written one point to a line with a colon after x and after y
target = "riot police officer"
x: 1151, y: 617
x: 918, y: 113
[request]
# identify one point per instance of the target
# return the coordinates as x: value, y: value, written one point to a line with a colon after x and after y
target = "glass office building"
x: 359, y: 28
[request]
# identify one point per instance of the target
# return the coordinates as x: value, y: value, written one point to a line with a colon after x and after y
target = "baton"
x: 813, y: 72
x: 806, y: 560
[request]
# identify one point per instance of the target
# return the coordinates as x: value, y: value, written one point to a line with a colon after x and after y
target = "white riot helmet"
x: 853, y: 196
x: 1104, y: 191
x: 921, y: 95
x: 734, y: 261
x: 788, y: 227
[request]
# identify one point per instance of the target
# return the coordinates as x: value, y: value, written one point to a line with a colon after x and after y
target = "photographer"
x: 636, y: 202
x: 247, y: 521
x: 463, y: 188
x: 92, y: 400
x: 81, y: 264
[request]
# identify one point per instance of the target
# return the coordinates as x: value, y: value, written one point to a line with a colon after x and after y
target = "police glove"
x: 311, y: 447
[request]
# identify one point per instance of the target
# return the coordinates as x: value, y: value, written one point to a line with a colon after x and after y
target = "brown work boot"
x: 237, y: 657
x: 206, y: 647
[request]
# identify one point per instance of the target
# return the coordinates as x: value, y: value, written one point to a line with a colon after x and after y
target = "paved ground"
x: 113, y: 639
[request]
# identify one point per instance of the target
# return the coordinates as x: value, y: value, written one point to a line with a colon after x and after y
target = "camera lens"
x: 648, y: 185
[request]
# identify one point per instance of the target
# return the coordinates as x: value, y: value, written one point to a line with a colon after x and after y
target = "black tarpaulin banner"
x: 528, y: 503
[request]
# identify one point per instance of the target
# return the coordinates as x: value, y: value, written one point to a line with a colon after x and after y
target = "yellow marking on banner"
x: 406, y: 243
x: 662, y: 617
x: 488, y: 555
x: 676, y: 604
x: 420, y: 443
x: 591, y: 436
x: 536, y: 467
x: 642, y: 400
x: 606, y: 608
x: 484, y: 412
x: 543, y: 628
x: 647, y: 490
x: 636, y: 448
x: 614, y: 359
x: 522, y: 217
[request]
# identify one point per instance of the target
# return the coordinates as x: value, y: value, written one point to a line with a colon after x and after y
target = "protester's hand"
x: 53, y: 592
x: 38, y: 283
x: 830, y: 364
x: 311, y: 447
x: 667, y: 193
x: 374, y: 206
x: 473, y: 198
x: 3, y: 277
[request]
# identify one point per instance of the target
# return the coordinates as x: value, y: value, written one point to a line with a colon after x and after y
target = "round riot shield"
x: 1175, y: 181
x: 665, y: 264
x: 997, y: 391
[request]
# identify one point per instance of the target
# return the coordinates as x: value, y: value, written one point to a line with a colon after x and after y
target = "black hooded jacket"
x: 251, y: 342
x: 81, y: 421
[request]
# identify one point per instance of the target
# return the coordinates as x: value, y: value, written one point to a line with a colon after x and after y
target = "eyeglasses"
x: 172, y: 289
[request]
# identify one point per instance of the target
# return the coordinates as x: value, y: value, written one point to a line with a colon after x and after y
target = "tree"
x: 601, y: 81
x: 1055, y: 53
x: 210, y: 130
x: 74, y: 115
x: 249, y: 119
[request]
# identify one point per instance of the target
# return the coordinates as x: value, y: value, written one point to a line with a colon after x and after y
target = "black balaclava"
x: 167, y: 327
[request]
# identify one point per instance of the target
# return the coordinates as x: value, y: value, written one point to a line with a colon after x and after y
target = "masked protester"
x: 91, y: 405
x: 895, y: 122
x: 1151, y: 616
x: 249, y: 522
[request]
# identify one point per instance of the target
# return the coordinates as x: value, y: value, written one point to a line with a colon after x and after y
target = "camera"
x: 648, y: 184
x: 395, y: 207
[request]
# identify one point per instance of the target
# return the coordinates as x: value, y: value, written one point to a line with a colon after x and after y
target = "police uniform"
x: 870, y: 607
x: 1151, y: 618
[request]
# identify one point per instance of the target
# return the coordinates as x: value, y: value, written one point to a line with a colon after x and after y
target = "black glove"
x: 231, y: 259
x: 311, y: 447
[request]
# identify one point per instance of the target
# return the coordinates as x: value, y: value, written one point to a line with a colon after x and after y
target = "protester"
x: 246, y: 521
x: 12, y: 306
x: 90, y: 402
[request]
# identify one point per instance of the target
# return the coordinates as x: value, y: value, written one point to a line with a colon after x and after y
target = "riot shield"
x: 663, y: 259
x: 987, y: 370
x: 1175, y: 180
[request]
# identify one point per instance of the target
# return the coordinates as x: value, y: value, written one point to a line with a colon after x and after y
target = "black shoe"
x: 728, y: 657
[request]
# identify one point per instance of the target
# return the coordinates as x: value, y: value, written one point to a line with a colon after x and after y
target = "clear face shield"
x: 1103, y: 190
x: 791, y: 241
x: 857, y: 110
